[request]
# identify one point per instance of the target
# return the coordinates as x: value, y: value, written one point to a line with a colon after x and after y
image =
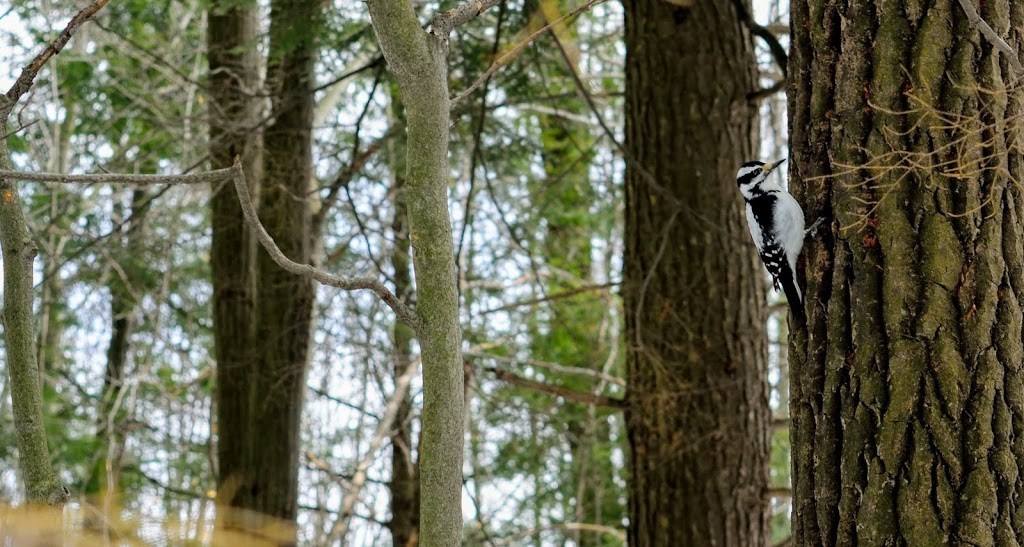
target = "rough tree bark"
x: 263, y: 313
x: 694, y: 291
x: 418, y: 60
x: 907, y: 387
x: 284, y: 302
x: 234, y: 109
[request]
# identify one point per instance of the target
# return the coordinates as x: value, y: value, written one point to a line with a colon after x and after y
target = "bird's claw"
x: 814, y: 227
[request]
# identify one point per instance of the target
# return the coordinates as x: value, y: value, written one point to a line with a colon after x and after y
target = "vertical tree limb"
x: 19, y: 252
x: 418, y: 60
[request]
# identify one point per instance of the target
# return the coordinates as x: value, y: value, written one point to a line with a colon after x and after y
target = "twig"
x: 977, y: 22
x: 552, y: 297
x: 20, y: 128
x: 565, y: 393
x: 766, y: 92
x: 117, y: 178
x: 28, y: 74
x: 383, y: 431
x: 518, y: 48
x: 403, y: 312
x: 564, y: 369
x: 442, y: 24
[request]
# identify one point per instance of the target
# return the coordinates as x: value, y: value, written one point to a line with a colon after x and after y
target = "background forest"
x: 125, y: 322
x: 608, y: 348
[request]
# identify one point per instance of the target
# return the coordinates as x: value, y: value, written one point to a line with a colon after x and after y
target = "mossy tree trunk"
x: 418, y: 60
x: 694, y: 291
x: 19, y: 252
x: 404, y: 483
x: 907, y: 387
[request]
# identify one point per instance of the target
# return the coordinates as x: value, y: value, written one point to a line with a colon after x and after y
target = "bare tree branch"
x: 559, y: 391
x: 618, y: 533
x: 403, y: 312
x: 977, y: 22
x: 117, y: 178
x: 443, y: 24
x: 518, y: 48
x: 555, y: 367
x: 772, y: 41
x: 383, y: 432
x: 28, y: 74
x: 21, y: 127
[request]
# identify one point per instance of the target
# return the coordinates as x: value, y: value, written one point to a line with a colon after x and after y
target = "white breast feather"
x: 789, y: 225
x: 755, y: 229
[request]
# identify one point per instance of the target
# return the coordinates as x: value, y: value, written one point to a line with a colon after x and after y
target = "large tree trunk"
x: 907, y: 385
x: 232, y: 37
x: 284, y: 303
x: 694, y: 292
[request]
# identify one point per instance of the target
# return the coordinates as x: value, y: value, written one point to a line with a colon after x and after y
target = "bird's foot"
x: 814, y: 227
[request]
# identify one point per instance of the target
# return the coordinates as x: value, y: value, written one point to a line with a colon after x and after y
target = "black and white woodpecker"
x: 776, y: 223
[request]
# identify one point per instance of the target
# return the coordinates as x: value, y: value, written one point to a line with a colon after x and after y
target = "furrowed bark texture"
x: 284, y: 302
x: 232, y: 37
x: 907, y: 388
x: 418, y: 61
x: 19, y: 253
x: 694, y: 291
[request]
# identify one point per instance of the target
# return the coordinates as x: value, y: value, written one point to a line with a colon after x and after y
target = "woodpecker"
x: 776, y: 223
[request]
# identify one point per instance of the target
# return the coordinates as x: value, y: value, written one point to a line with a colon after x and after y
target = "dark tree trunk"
x: 232, y: 36
x: 284, y: 302
x: 907, y: 385
x: 694, y: 291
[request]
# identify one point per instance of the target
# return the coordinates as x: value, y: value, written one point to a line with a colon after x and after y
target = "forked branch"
x: 28, y: 74
x: 403, y: 312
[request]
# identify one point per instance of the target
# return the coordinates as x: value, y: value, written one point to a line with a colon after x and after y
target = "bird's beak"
x: 771, y: 167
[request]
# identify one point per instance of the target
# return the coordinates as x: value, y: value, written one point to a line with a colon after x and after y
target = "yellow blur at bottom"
x: 81, y: 523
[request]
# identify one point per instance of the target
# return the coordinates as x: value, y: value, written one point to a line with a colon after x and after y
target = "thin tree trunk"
x: 19, y: 253
x: 908, y: 383
x: 694, y: 292
x: 404, y: 483
x: 418, y: 60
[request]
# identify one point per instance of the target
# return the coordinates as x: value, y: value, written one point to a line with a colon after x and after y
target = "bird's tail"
x: 792, y: 290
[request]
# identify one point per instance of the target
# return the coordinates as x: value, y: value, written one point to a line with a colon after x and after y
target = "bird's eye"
x: 757, y: 171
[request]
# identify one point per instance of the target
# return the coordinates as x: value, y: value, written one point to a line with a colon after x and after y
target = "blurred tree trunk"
x: 263, y: 314
x: 234, y: 110
x: 908, y: 384
x: 284, y: 302
x: 127, y: 248
x: 404, y: 483
x: 694, y: 291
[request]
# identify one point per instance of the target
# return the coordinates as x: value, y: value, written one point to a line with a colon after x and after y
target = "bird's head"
x: 752, y: 174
